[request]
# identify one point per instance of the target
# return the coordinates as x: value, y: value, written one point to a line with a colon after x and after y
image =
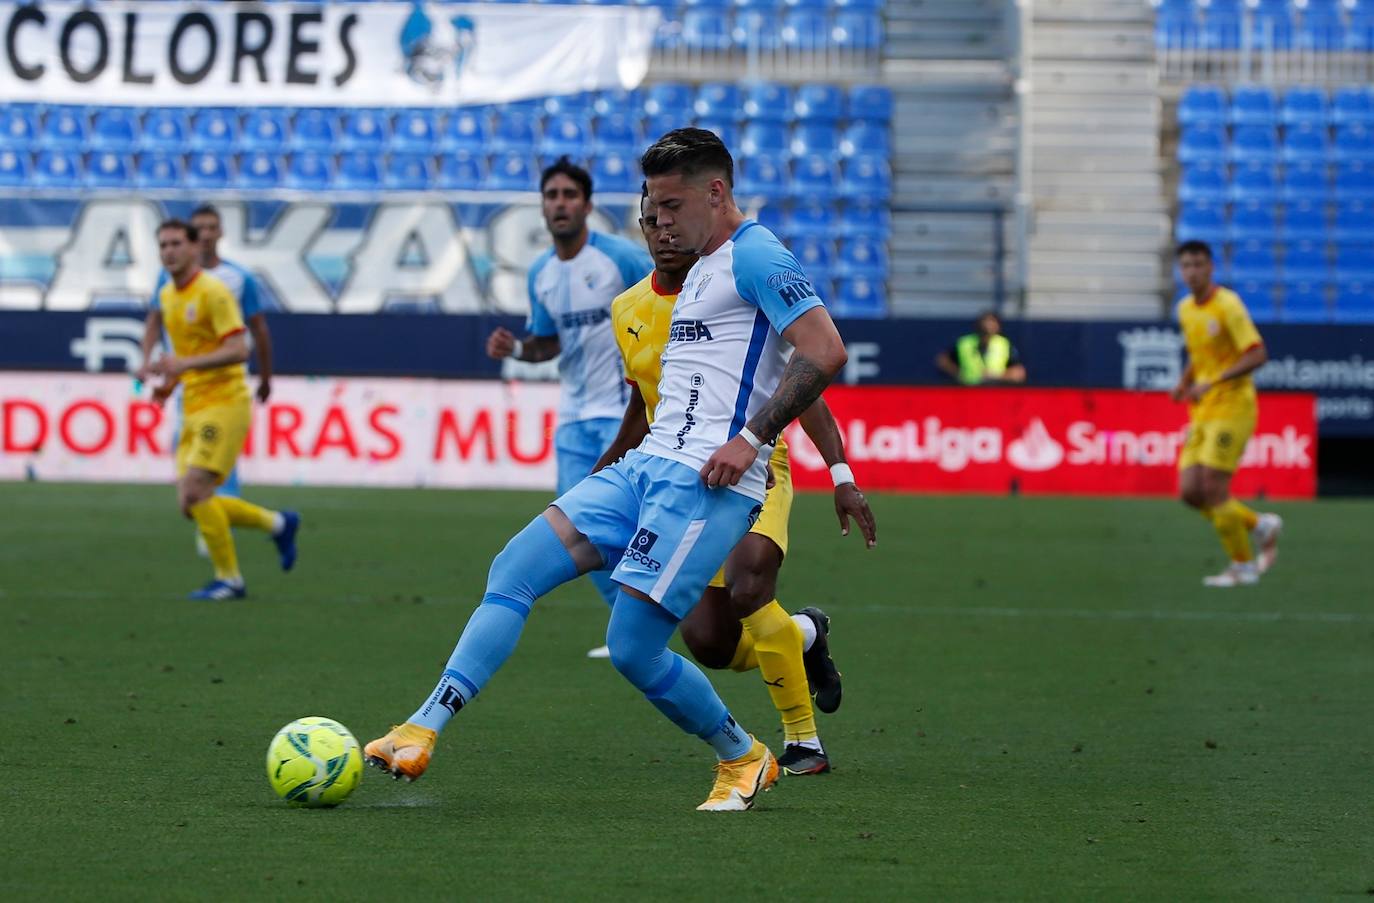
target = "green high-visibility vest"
x: 974, y: 366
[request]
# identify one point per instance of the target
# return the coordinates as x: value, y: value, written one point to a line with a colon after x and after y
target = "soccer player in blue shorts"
x: 571, y: 288
x: 665, y: 517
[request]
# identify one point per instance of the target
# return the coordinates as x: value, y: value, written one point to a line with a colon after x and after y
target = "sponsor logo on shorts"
x: 209, y: 432
x: 640, y: 547
x: 754, y: 515
x: 1224, y: 439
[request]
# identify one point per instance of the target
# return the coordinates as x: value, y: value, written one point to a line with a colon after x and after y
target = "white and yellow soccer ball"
x: 314, y: 762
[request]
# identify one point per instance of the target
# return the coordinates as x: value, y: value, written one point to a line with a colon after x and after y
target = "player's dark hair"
x: 688, y: 152
x: 565, y: 167
x: 192, y: 234
x: 206, y: 210
x: 1195, y: 247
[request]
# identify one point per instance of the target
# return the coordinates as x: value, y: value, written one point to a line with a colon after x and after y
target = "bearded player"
x: 1224, y: 348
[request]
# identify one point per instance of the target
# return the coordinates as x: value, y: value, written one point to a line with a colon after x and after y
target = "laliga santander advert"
x: 474, y: 434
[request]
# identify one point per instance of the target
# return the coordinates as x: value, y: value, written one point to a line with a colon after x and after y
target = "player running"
x: 208, y: 348
x: 738, y: 624
x: 1224, y: 348
x: 666, y: 516
x: 571, y: 287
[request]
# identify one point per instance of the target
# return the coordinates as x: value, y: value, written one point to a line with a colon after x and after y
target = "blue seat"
x: 1304, y: 106
x: 1202, y: 105
x: 860, y: 298
x: 409, y: 172
x: 768, y: 6
x: 581, y: 103
x: 215, y: 129
x: 869, y: 6
x: 816, y: 256
x: 109, y: 169
x: 358, y: 171
x: 615, y: 172
x: 15, y: 168
x: 515, y: 132
x: 772, y: 217
x: 619, y: 101
x: 818, y: 103
x: 1305, y: 220
x: 1305, y: 142
x: 806, y: 4
x: 870, y: 102
x: 863, y: 257
x: 717, y: 100
x: 114, y: 129
x: 467, y: 128
x: 1252, y: 220
x: 708, y: 30
x: 314, y: 130
x: 716, y: 6
x: 856, y: 31
x: 416, y: 132
x: 1258, y: 297
x: 865, y: 138
x: 1205, y: 222
x: 1304, y: 302
x: 1354, y: 221
x: 18, y: 126
x: 805, y: 30
x: 1355, y: 263
x: 815, y: 139
x: 1202, y: 144
x: 756, y: 30
x: 207, y: 170
x: 258, y: 170
x: 1355, y: 181
x: 266, y: 130
x: 764, y: 138
x: 1354, y: 141
x: 511, y: 171
x: 1272, y: 28
x: 1359, y: 35
x: 867, y: 177
x: 1220, y: 29
x: 767, y: 102
x: 462, y: 170
x: 165, y: 129
x: 531, y: 108
x: 669, y: 98
x: 724, y: 129
x: 565, y: 135
x: 657, y: 126
x: 1306, y: 260
x: 310, y: 171
x: 617, y: 133
x: 866, y: 219
x: 1355, y: 302
x: 1253, y: 261
x: 1321, y: 30
x: 815, y: 176
x: 1306, y: 181
x: 1176, y: 27
x: 1353, y: 105
x: 1255, y: 182
x: 366, y: 130
x: 159, y: 170
x: 65, y: 128
x: 1253, y: 144
x: 1204, y: 182
x: 763, y: 177
x: 809, y: 218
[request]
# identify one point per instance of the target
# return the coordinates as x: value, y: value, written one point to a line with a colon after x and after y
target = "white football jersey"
x: 572, y: 300
x: 725, y: 353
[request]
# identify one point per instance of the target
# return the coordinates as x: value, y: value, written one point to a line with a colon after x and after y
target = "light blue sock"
x: 531, y: 564
x: 607, y: 587
x: 638, y: 636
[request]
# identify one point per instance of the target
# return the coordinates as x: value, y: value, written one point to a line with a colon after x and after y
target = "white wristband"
x: 841, y: 474
x: 748, y: 436
x: 518, y: 351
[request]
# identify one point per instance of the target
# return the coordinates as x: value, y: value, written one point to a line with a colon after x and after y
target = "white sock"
x: 808, y: 629
x: 813, y: 743
x: 278, y: 523
x: 235, y: 582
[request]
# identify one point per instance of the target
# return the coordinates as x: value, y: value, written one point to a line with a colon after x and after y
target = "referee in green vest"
x: 983, y: 357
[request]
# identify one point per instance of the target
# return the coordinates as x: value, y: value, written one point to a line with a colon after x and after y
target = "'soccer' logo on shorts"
x: 688, y: 331
x: 639, y: 548
x: 754, y: 515
x: 791, y: 286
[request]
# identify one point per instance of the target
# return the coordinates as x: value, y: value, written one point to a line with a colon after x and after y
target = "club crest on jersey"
x: 791, y: 286
x: 190, y: 313
x: 701, y: 286
x: 1213, y: 328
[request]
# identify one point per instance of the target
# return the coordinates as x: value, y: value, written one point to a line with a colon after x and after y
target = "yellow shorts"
x: 777, y: 508
x: 1218, y: 443
x: 212, y: 438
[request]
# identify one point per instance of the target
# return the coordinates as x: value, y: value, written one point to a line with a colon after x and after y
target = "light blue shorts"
x: 660, y: 529
x: 579, y: 445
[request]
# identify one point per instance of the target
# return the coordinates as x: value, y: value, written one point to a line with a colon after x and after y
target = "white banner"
x: 313, y: 54
x: 341, y: 432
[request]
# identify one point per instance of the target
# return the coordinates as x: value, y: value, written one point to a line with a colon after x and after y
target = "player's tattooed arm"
x: 802, y: 384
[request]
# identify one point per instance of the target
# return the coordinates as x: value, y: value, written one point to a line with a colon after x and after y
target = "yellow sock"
x: 778, y: 645
x: 246, y: 514
x: 213, y: 522
x: 1247, y: 514
x: 745, y: 658
x: 1229, y: 520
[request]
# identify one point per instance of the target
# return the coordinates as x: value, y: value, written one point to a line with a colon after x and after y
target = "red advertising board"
x: 1063, y: 441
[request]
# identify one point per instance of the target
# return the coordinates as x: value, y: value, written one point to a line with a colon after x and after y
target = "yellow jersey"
x: 641, y: 316
x: 1217, y: 331
x: 197, y: 318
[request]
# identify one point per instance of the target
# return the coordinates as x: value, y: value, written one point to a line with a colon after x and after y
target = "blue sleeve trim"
x: 768, y: 276
x: 751, y: 366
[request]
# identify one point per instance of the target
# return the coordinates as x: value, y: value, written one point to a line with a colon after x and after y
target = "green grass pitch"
x: 1041, y: 702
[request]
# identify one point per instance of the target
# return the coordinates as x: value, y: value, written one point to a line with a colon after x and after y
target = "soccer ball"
x: 314, y: 762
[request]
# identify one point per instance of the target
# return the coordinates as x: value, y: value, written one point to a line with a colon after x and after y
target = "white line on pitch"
x: 1263, y: 617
